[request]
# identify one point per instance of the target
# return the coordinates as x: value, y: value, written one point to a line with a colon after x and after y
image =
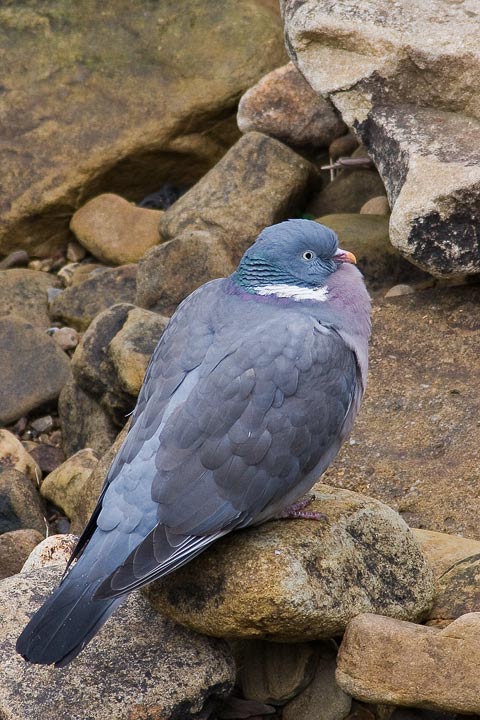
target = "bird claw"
x: 297, y: 511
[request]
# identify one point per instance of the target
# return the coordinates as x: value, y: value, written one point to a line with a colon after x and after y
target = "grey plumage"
x: 246, y: 401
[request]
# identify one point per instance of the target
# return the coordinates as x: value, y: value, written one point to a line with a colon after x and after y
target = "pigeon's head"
x: 297, y: 253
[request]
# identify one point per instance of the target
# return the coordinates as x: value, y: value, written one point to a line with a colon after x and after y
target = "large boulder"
x: 302, y: 580
x: 140, y: 666
x: 405, y: 76
x: 63, y: 486
x: 160, y: 101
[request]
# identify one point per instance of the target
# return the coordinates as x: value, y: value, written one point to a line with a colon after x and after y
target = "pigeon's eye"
x: 308, y: 255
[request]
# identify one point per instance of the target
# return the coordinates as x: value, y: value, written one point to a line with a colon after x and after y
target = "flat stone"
x: 62, y: 487
x: 84, y: 422
x: 168, y: 672
x: 114, y: 230
x: 79, y: 304
x: 32, y: 366
x: 173, y: 270
x: 259, y: 182
x: 53, y: 550
x: 21, y: 507
x: 15, y: 547
x: 390, y: 662
x: 181, y: 121
x: 23, y: 292
x: 302, y: 580
x: 399, y: 290
x: 14, y: 456
x: 283, y: 105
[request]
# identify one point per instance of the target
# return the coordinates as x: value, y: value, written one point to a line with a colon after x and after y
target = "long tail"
x: 62, y: 627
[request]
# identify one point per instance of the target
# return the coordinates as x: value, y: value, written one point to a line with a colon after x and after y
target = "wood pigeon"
x: 251, y: 391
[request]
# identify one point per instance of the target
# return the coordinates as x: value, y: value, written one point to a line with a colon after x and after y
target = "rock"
x: 376, y: 206
x: 347, y: 193
x: 131, y: 348
x: 15, y: 547
x: 342, y: 146
x: 322, y: 699
x: 259, y: 182
x: 64, y: 485
x: 402, y: 78
x: 294, y: 581
x: 90, y: 490
x: 444, y: 551
x: 75, y: 252
x: 32, y: 367
x: 14, y: 456
x: 84, y: 422
x: 48, y: 457
x: 65, y: 337
x: 79, y: 304
x: 17, y: 258
x: 283, y: 105
x: 273, y: 673
x: 367, y: 237
x: 42, y: 424
x: 21, y: 507
x: 168, y: 672
x: 387, y: 661
x: 399, y: 290
x: 457, y: 591
x: 23, y: 292
x: 75, y: 273
x: 54, y: 550
x: 171, y: 271
x: 114, y: 230
x: 414, y: 443
x: 181, y: 122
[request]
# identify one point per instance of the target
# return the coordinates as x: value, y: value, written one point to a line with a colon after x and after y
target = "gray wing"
x: 238, y: 435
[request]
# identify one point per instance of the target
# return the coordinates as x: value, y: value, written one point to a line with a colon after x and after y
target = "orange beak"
x: 343, y: 256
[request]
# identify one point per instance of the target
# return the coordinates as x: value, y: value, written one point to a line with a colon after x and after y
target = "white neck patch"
x: 293, y: 291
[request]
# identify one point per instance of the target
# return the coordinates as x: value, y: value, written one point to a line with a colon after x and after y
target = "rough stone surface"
x: 259, y: 182
x: 171, y: 271
x: 444, y: 551
x: 32, y: 367
x: 301, y: 580
x: 376, y: 206
x: 48, y: 457
x: 399, y: 290
x: 54, y: 550
x: 14, y: 455
x: 406, y: 76
x: 347, y: 193
x: 415, y: 442
x: 386, y: 661
x: 114, y: 230
x: 63, y: 486
x: 84, y: 422
x: 283, y: 105
x: 21, y: 507
x: 180, y: 123
x: 15, y: 547
x: 322, y: 699
x: 24, y: 293
x: 131, y: 348
x: 79, y: 304
x: 273, y: 673
x: 457, y: 591
x: 140, y: 666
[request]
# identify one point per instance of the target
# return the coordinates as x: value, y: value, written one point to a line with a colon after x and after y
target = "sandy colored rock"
x: 390, y: 662
x: 171, y: 271
x: 131, y: 348
x: 15, y: 547
x: 376, y: 206
x: 139, y: 666
x: 32, y: 367
x: 65, y: 337
x: 53, y: 550
x: 444, y: 551
x: 343, y: 146
x: 399, y: 290
x: 21, y: 507
x: 259, y: 182
x: 457, y: 591
x: 64, y: 485
x: 273, y: 673
x: 347, y: 193
x: 415, y: 444
x: 79, y: 304
x: 322, y: 699
x: 302, y: 580
x: 181, y: 121
x: 24, y: 293
x: 84, y: 422
x: 283, y: 105
x: 114, y: 230
x: 14, y: 455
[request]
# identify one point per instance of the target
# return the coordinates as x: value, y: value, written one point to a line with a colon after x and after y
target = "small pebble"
x: 66, y: 337
x: 67, y: 271
x: 42, y: 424
x: 398, y: 290
x: 17, y: 258
x: 75, y: 252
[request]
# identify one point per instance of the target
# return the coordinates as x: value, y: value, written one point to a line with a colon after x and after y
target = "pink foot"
x: 297, y: 511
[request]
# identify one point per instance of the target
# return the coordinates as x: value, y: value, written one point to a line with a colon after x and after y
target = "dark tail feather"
x: 62, y: 627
